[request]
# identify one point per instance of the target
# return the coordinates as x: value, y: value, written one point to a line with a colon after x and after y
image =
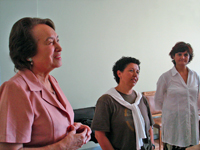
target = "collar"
x: 34, y: 85
x: 174, y: 71
x: 31, y: 80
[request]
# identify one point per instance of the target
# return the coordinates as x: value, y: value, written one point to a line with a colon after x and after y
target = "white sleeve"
x: 160, y: 92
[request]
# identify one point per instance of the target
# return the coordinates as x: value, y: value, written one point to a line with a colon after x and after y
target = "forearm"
x: 103, y: 141
x: 105, y: 144
x: 72, y: 141
x: 151, y: 135
x: 17, y: 146
x: 56, y: 146
x: 61, y: 145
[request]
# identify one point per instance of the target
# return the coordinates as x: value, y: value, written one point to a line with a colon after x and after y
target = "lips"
x: 134, y: 80
x: 57, y: 56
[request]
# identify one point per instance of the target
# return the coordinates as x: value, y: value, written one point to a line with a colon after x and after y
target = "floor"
x: 156, y: 145
x: 99, y: 148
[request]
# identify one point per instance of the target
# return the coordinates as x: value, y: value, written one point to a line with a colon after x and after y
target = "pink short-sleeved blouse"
x: 30, y: 114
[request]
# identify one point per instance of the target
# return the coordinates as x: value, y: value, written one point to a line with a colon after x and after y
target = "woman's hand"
x: 152, y: 137
x: 80, y: 128
x: 77, y: 136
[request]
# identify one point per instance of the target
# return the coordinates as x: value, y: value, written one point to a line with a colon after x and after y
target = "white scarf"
x: 137, y: 116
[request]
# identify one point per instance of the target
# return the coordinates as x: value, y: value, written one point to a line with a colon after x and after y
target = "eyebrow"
x: 52, y: 38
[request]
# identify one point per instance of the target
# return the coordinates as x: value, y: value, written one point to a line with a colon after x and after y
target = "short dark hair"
x: 22, y: 44
x: 121, y: 64
x: 181, y: 47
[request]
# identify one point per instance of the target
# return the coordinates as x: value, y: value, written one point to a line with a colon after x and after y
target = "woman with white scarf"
x: 122, y: 119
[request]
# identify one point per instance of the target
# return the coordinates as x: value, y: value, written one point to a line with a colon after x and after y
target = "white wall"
x: 10, y: 12
x: 96, y: 33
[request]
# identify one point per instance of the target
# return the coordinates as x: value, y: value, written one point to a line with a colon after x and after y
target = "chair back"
x: 150, y: 98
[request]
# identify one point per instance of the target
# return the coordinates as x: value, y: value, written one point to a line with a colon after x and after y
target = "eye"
x: 186, y: 55
x: 50, y: 42
x: 179, y: 54
x: 131, y: 70
x: 138, y: 72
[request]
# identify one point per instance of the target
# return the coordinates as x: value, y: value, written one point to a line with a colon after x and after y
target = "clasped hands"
x: 81, y: 129
x: 77, y: 135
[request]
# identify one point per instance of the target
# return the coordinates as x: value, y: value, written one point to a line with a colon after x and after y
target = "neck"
x: 181, y: 68
x: 44, y: 80
x: 124, y: 89
x: 42, y: 76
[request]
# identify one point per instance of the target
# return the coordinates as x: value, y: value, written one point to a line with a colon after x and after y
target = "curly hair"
x: 181, y: 47
x: 22, y: 44
x: 121, y: 64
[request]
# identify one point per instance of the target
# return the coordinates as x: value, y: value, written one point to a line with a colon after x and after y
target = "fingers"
x: 75, y: 140
x: 71, y: 128
x: 86, y: 135
x: 89, y: 131
x: 87, y: 139
x: 81, y: 138
x: 82, y: 127
x: 77, y: 125
x: 85, y: 130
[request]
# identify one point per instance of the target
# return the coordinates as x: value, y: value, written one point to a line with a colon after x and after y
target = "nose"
x: 135, y: 74
x: 58, y: 47
x: 182, y: 56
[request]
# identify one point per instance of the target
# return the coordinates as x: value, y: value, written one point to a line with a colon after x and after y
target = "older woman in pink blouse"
x: 34, y: 112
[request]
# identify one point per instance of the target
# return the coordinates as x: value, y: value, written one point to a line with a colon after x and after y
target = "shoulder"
x: 15, y: 89
x: 167, y: 73
x: 104, y: 104
x: 193, y: 72
x: 107, y: 102
x: 166, y: 76
x: 14, y: 82
x: 105, y: 98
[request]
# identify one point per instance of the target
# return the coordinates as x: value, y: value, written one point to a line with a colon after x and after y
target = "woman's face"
x: 130, y: 75
x: 182, y: 58
x: 48, y: 54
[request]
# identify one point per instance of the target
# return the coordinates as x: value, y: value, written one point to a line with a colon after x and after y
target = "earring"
x: 30, y: 59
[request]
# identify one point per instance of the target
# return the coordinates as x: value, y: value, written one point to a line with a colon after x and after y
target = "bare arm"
x: 103, y: 140
x: 151, y: 135
x: 17, y: 146
x: 77, y: 136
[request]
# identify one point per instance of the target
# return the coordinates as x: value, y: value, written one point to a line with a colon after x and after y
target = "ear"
x: 119, y: 73
x: 173, y: 56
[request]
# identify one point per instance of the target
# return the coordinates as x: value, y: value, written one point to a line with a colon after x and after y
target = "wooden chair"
x: 155, y: 113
